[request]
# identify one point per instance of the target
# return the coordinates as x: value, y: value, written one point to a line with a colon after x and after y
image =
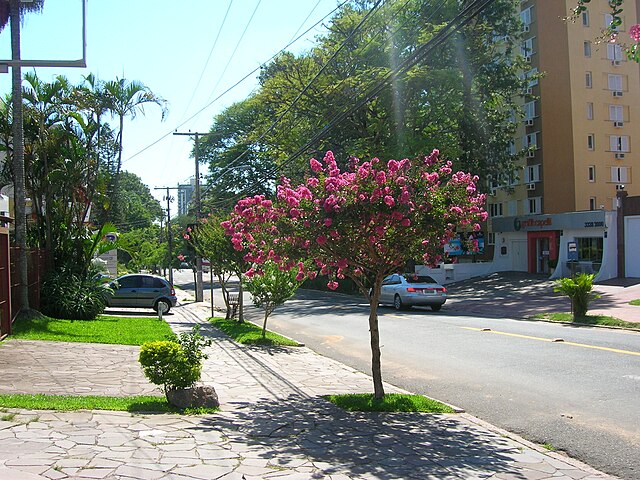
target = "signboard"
x: 464, y: 243
x: 561, y: 221
x: 572, y: 253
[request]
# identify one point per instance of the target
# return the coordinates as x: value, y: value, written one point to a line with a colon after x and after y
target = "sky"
x: 170, y: 47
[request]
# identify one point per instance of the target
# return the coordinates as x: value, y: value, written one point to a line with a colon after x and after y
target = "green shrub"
x: 579, y: 290
x: 174, y: 363
x: 72, y: 296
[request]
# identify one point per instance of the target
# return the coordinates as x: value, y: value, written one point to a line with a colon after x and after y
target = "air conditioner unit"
x: 619, y: 187
x: 531, y: 154
x: 618, y: 124
x: 617, y: 93
x: 616, y: 63
x: 525, y: 29
x: 531, y: 186
x: 529, y: 91
x: 527, y: 59
x: 492, y: 192
x: 529, y: 122
x: 618, y: 156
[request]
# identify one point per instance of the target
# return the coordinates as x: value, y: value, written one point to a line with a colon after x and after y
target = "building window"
x: 491, y: 238
x: 589, y: 110
x: 585, y: 19
x: 532, y: 76
x: 592, y: 203
x: 530, y: 110
x: 526, y: 18
x: 608, y: 20
x: 534, y: 205
x: 495, y: 209
x: 590, y: 249
x: 526, y: 48
x: 532, y: 174
x: 530, y: 140
x: 619, y: 143
x: 616, y: 113
x: 619, y: 174
x: 587, y: 48
x: 614, y: 52
x: 591, y: 142
x: 592, y: 173
x: 588, y: 81
x: 614, y: 82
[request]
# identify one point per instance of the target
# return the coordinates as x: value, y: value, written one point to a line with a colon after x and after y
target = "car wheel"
x: 397, y: 302
x: 436, y: 308
x: 163, y: 305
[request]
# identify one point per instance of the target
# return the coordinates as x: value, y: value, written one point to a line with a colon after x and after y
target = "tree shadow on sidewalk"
x: 381, y: 445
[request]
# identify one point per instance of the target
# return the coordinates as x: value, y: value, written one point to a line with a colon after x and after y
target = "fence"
x: 35, y: 273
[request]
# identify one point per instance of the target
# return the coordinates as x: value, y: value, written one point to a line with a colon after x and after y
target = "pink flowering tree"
x: 363, y: 223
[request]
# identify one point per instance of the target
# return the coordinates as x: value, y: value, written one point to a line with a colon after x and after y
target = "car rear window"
x: 419, y: 278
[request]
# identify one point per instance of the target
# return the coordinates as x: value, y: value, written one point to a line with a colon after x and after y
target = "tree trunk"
x: 19, y: 193
x: 240, y: 302
x: 378, y: 388
x: 264, y: 324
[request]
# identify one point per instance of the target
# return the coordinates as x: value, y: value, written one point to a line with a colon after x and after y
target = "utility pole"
x: 169, y: 199
x: 198, y: 208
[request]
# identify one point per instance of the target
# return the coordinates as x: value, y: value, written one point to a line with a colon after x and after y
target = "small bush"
x: 72, y: 296
x: 174, y: 363
x: 579, y: 290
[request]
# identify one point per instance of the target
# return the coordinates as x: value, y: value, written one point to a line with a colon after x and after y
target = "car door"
x: 150, y: 289
x: 387, y: 289
x: 127, y: 293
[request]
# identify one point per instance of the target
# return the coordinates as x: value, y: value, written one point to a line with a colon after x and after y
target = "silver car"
x: 142, y: 291
x: 404, y: 290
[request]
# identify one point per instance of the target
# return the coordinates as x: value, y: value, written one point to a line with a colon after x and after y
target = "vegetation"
x: 250, y: 334
x: 104, y: 329
x: 635, y: 303
x: 392, y: 402
x: 174, y: 364
x: 271, y: 287
x: 579, y: 290
x: 604, y: 320
x: 362, y: 223
x: 68, y: 402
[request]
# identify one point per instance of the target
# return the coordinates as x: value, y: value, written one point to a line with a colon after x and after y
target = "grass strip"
x: 587, y: 320
x: 249, y: 333
x: 635, y: 303
x: 140, y: 403
x: 104, y: 329
x: 391, y: 402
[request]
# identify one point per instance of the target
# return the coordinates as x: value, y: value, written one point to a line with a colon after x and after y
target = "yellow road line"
x: 541, y: 339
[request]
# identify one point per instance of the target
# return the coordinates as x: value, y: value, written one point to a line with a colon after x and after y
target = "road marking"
x: 554, y: 340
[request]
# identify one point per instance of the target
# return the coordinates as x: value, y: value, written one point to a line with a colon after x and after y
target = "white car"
x: 405, y: 290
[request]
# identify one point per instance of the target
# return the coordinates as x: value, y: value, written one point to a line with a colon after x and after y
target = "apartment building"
x: 582, y: 129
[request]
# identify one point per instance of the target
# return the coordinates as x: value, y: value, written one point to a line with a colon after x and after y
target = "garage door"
x: 631, y: 246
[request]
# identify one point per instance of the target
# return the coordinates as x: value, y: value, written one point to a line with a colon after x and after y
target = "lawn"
x: 391, y: 402
x: 149, y: 404
x: 250, y: 334
x: 635, y: 303
x: 604, y: 320
x: 104, y: 329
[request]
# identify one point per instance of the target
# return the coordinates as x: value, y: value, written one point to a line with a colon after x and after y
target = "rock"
x: 194, y: 397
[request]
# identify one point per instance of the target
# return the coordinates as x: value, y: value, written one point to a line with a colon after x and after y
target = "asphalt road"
x: 581, y: 395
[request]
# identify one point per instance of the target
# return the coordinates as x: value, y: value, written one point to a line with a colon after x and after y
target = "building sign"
x: 465, y: 243
x: 560, y: 221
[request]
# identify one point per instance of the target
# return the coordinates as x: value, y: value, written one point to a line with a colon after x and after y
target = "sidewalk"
x: 273, y: 425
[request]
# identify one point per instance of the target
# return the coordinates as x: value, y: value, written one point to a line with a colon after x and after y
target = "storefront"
x: 558, y: 245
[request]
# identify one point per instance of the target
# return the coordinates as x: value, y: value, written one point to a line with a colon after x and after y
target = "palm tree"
x: 13, y: 10
x: 126, y: 99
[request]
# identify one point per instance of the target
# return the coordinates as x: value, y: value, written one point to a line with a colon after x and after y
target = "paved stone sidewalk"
x: 273, y: 425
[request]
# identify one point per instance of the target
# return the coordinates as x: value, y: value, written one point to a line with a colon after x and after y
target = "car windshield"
x: 411, y: 278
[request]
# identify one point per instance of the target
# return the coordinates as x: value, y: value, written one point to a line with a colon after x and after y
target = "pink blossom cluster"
x: 634, y: 33
x: 354, y: 222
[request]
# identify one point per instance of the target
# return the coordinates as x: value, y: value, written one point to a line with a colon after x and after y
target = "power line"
x: 461, y: 19
x: 236, y: 84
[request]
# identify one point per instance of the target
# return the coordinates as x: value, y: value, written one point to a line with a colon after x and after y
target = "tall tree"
x: 126, y: 99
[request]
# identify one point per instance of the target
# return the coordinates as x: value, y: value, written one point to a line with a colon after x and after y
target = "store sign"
x: 572, y: 251
x: 560, y: 221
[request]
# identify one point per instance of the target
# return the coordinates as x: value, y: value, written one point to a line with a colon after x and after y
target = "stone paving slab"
x: 273, y: 425
x: 64, y: 368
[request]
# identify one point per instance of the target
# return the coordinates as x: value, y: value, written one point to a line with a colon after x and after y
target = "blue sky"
x: 165, y: 45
